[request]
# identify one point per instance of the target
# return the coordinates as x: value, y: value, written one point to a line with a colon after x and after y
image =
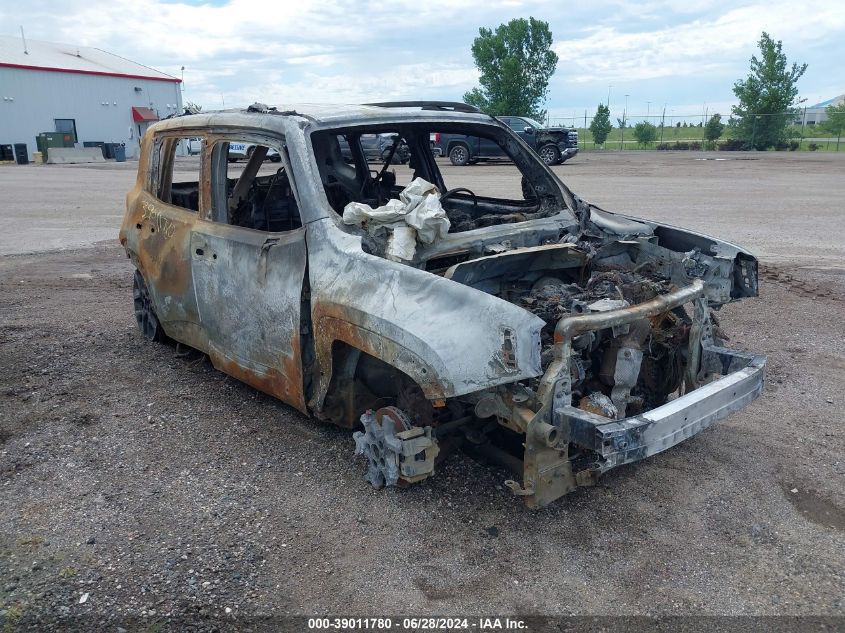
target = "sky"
x: 684, y: 56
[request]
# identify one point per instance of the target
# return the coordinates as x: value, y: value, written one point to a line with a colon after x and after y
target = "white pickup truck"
x: 193, y: 146
x: 238, y: 151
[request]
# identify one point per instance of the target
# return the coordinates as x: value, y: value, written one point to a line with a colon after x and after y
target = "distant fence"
x: 683, y: 128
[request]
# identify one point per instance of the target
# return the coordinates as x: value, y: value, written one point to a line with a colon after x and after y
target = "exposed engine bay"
x: 651, y: 365
x: 615, y: 372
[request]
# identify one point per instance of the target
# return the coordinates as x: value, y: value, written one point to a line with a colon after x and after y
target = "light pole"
x: 803, y: 119
x: 647, y: 108
x: 624, y: 122
x: 608, y: 94
x: 754, y: 130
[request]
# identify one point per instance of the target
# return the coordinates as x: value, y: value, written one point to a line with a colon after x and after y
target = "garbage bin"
x: 46, y: 140
x: 120, y: 153
x: 108, y: 150
x: 21, y: 154
x: 6, y: 152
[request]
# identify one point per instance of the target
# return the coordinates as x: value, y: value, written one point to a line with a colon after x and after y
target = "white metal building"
x: 95, y: 95
x: 815, y: 114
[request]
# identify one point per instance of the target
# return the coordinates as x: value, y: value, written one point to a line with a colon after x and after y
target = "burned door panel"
x: 249, y: 287
x: 156, y: 234
x: 164, y: 236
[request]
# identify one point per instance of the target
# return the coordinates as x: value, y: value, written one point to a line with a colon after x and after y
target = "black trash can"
x: 108, y: 150
x: 7, y: 152
x: 120, y: 152
x: 21, y: 154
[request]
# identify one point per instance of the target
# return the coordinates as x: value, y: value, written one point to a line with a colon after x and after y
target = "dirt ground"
x: 141, y: 479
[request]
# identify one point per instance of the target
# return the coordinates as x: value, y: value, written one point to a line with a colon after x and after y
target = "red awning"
x: 139, y: 115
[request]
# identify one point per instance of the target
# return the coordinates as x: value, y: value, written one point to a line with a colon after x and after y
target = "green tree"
x: 516, y: 62
x: 714, y: 128
x: 601, y: 125
x: 765, y: 97
x: 645, y: 133
x: 835, y: 123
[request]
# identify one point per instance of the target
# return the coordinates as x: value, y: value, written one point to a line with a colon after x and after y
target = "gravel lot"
x: 152, y: 485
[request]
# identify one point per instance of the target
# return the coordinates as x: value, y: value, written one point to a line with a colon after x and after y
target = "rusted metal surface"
x: 157, y: 236
x: 280, y: 381
x: 411, y: 319
x: 484, y: 348
x: 248, y: 295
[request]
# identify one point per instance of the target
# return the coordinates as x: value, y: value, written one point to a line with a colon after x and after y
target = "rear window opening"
x: 178, y: 174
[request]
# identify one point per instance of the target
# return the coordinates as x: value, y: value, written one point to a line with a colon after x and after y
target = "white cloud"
x: 347, y: 50
x: 699, y: 47
x: 405, y: 81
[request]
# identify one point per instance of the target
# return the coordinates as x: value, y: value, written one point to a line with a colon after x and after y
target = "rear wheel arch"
x: 146, y: 317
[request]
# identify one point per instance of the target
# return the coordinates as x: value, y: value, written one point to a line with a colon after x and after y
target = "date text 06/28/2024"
x: 481, y: 624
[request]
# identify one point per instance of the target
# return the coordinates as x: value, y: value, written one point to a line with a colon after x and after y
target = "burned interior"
x: 534, y: 329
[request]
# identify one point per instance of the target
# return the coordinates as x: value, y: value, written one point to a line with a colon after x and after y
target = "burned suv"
x: 532, y: 329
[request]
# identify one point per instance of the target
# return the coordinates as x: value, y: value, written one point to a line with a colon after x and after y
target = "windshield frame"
x: 545, y: 182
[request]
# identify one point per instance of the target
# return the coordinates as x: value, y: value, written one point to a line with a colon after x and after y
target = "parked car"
x: 555, y: 145
x: 535, y: 330
x: 243, y: 151
x: 377, y: 148
x: 193, y: 146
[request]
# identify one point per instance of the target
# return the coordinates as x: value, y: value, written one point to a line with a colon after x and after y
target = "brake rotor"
x: 401, y: 420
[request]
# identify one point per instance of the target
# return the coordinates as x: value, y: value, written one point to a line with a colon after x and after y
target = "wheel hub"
x: 397, y: 452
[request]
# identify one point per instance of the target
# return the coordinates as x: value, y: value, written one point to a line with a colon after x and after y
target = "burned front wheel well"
x: 361, y: 381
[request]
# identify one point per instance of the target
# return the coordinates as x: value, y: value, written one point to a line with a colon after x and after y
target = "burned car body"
x: 540, y: 332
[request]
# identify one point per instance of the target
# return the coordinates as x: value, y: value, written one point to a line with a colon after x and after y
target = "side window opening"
x: 178, y: 173
x: 251, y: 187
